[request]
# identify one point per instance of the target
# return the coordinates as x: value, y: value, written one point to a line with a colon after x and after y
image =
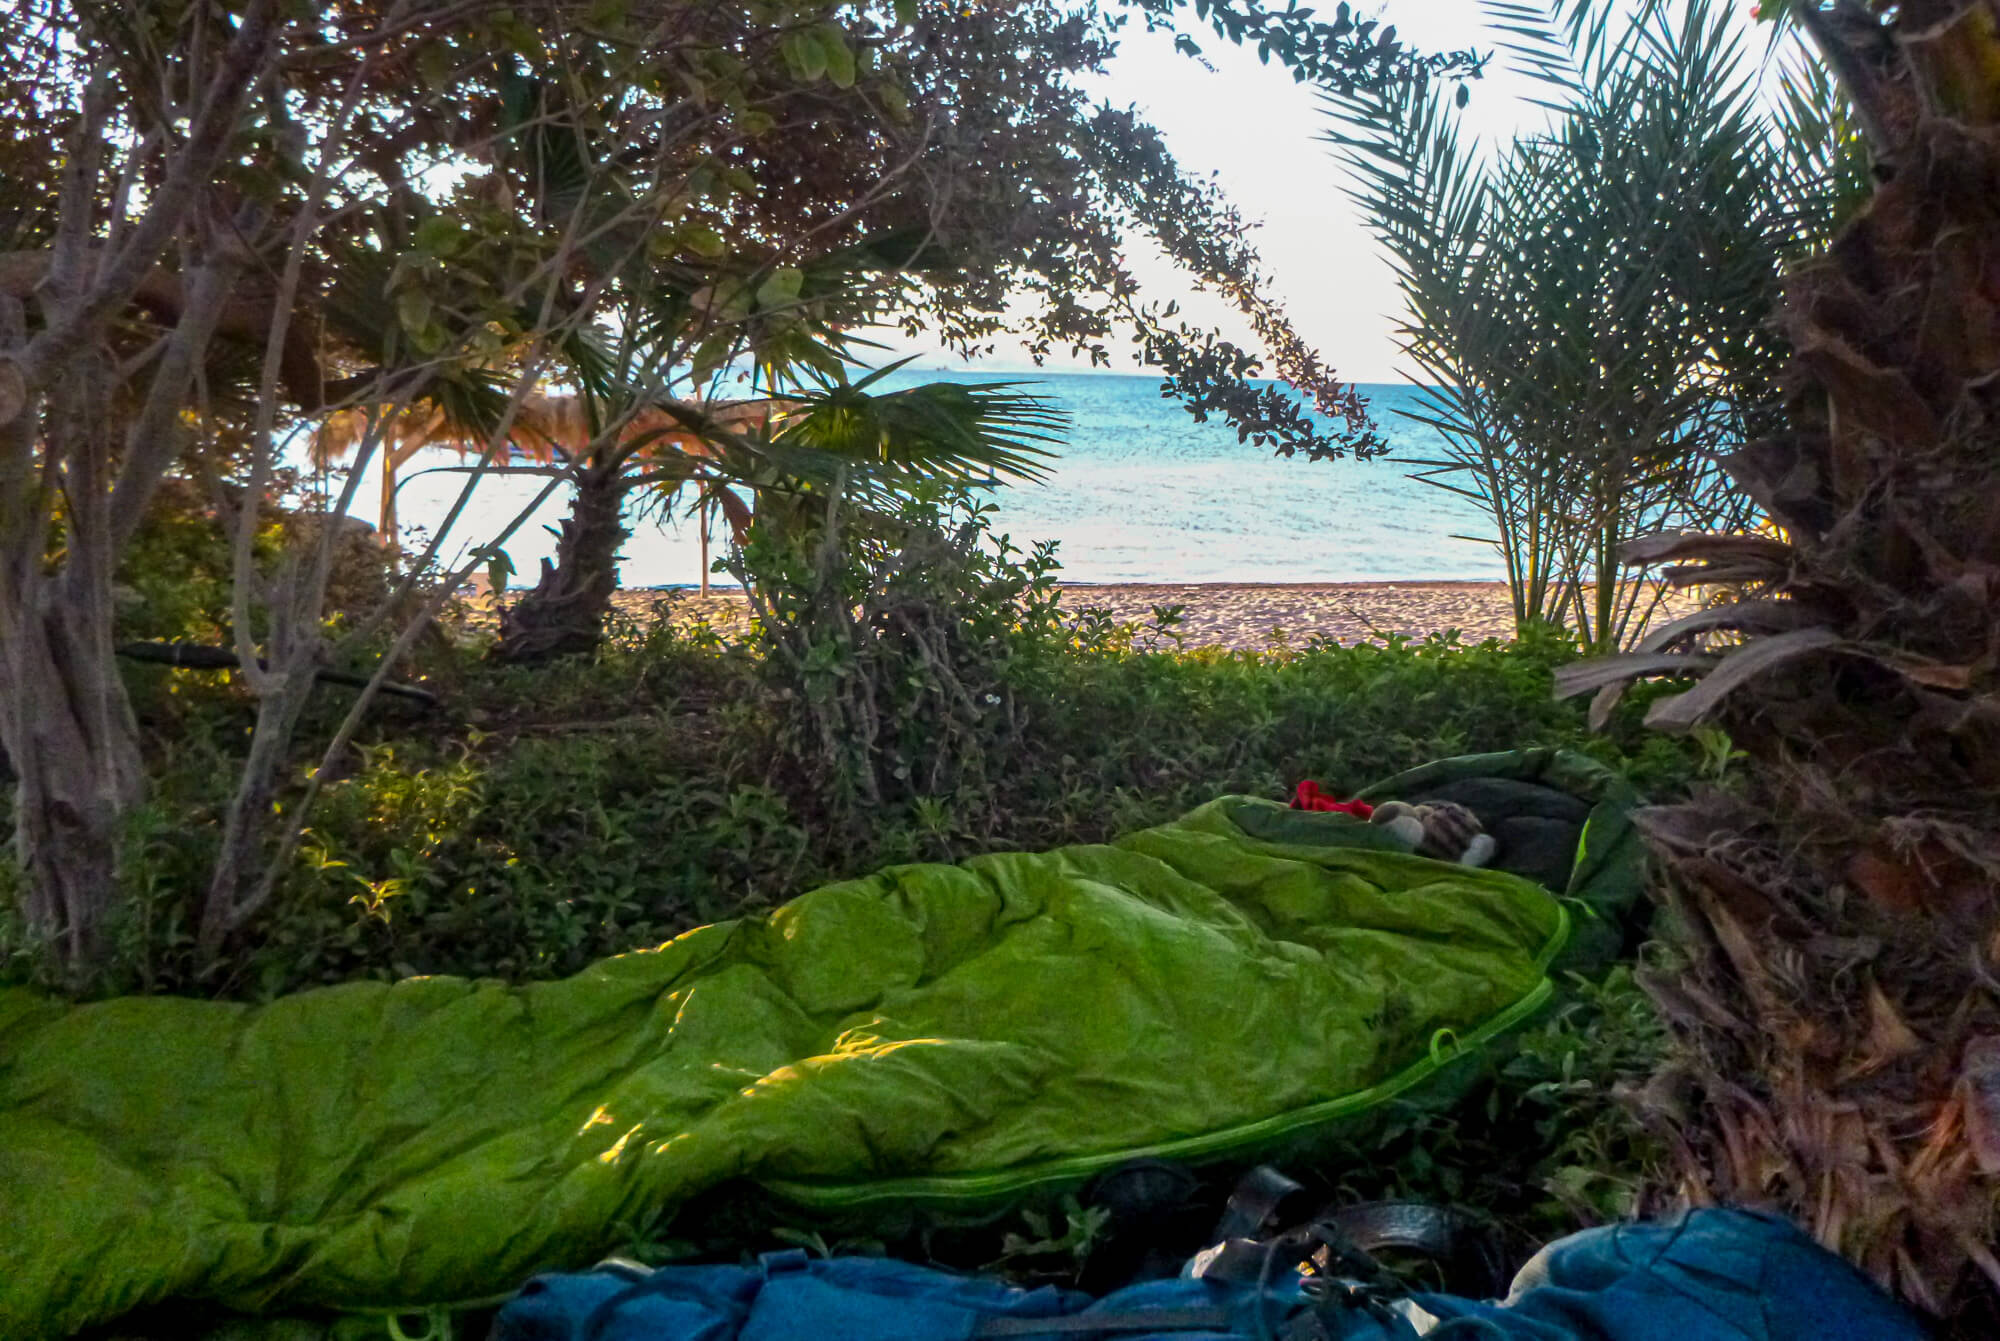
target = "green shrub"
x: 891, y: 643
x: 548, y: 818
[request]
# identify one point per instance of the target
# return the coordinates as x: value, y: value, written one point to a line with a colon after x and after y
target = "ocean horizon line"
x: 1100, y: 374
x: 1290, y: 584
x: 1140, y: 494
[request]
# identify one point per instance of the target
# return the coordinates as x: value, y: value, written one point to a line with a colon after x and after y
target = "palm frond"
x: 1579, y: 297
x: 941, y: 430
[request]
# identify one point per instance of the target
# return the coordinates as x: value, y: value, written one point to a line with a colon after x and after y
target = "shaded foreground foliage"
x: 554, y: 817
x: 545, y: 818
x: 370, y: 222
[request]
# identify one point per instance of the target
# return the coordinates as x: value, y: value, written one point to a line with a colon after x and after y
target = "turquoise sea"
x: 1141, y: 493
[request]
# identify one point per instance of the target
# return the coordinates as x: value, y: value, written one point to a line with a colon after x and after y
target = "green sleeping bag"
x: 1219, y: 987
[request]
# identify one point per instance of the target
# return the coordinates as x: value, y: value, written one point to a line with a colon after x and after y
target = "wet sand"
x: 1237, y: 615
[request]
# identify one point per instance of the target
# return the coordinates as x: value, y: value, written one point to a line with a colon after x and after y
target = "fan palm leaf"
x: 947, y: 431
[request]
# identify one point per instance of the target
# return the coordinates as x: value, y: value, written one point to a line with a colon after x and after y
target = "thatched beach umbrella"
x: 547, y: 429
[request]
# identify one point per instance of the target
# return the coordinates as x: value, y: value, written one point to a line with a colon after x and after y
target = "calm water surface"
x: 1140, y: 493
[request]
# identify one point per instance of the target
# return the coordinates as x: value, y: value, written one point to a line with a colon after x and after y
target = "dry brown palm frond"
x: 1837, y: 1042
x: 547, y: 428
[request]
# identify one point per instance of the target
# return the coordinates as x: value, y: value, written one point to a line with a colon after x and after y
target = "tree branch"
x: 154, y: 439
x: 243, y: 315
x: 199, y: 656
x: 209, y: 133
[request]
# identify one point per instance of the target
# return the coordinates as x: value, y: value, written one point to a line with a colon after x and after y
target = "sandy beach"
x: 1237, y: 615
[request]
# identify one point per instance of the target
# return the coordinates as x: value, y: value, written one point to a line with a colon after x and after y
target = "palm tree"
x: 548, y: 431
x: 815, y: 432
x: 1587, y: 304
x: 1838, y: 1019
x: 663, y: 444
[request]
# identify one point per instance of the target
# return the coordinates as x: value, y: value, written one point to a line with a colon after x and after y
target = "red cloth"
x: 1310, y: 797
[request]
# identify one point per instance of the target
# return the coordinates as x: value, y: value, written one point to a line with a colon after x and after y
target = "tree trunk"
x: 67, y: 721
x: 564, y: 613
x: 1837, y: 913
x: 64, y: 715
x: 69, y: 730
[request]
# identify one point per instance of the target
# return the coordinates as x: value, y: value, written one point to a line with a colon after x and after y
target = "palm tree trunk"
x: 1836, y: 1018
x: 563, y: 615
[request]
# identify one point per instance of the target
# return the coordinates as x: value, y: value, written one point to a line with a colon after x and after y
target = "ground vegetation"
x: 242, y: 221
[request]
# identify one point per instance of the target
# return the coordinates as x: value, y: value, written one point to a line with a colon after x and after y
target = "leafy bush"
x: 920, y: 667
x: 917, y: 691
x: 891, y: 644
x: 547, y: 818
x: 608, y: 805
x: 174, y: 581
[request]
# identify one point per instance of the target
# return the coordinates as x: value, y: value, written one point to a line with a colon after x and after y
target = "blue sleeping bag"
x: 1709, y: 1276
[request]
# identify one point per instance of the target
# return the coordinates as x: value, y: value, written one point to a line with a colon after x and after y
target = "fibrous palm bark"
x: 1837, y: 1010
x: 564, y: 613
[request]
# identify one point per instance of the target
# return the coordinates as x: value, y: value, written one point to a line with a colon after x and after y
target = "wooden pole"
x: 386, y: 520
x: 704, y: 513
x: 386, y: 516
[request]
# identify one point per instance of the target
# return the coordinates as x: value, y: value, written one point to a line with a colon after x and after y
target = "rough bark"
x: 66, y: 722
x: 65, y: 719
x: 74, y: 744
x: 563, y: 615
x: 1837, y: 1021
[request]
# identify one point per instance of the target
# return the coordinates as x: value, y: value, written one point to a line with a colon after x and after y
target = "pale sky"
x: 1258, y: 131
